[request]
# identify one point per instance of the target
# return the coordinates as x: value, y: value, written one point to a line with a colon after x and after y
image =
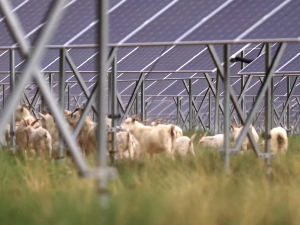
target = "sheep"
x: 184, y: 145
x: 216, y: 141
x: 279, y: 140
x: 125, y: 143
x: 39, y: 138
x: 235, y: 132
x: 84, y: 143
x: 178, y: 130
x: 153, y: 139
x: 21, y: 113
x: 49, y: 124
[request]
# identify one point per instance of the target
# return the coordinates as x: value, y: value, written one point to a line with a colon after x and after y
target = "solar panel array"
x: 139, y: 21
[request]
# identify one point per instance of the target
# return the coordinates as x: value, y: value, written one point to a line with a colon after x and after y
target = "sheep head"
x: 47, y: 120
x: 74, y: 117
x: 129, y: 124
x: 22, y: 112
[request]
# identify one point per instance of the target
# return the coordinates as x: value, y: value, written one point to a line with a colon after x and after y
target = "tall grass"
x: 190, y: 190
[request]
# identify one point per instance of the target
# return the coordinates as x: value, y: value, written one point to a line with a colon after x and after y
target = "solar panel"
x: 233, y: 20
x: 284, y: 24
x: 258, y: 65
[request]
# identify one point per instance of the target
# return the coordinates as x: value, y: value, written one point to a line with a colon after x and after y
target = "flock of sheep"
x: 134, y: 138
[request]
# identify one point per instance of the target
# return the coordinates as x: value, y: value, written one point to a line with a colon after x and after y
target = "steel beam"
x: 12, y: 87
x: 190, y: 105
x: 62, y: 85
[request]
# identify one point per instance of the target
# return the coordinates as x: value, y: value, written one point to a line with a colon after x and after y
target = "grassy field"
x: 190, y: 190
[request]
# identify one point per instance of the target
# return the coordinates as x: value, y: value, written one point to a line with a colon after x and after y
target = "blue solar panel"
x: 258, y: 66
x: 175, y: 21
x: 284, y: 24
x: 233, y: 20
x: 293, y: 66
x: 124, y: 19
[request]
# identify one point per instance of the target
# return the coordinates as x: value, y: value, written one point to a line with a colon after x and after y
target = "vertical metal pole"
x: 143, y: 116
x: 268, y: 108
x: 272, y: 102
x: 12, y: 87
x: 62, y: 84
x: 288, y: 111
x: 209, y: 110
x: 226, y: 105
x: 217, y: 103
x: 101, y: 96
x: 50, y: 82
x: 190, y: 105
x: 242, y: 84
x: 69, y: 96
x: 113, y: 103
x: 178, y: 109
x: 3, y: 94
x: 137, y: 102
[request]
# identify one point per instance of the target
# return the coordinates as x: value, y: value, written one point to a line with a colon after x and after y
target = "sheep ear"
x: 42, y: 115
x: 133, y: 119
x: 205, y: 134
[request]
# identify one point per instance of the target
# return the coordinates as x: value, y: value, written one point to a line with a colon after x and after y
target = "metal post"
x: 178, y: 110
x: 3, y: 94
x: 272, y: 103
x: 69, y: 96
x: 217, y: 103
x: 113, y: 102
x: 226, y: 105
x: 288, y: 108
x: 190, y: 105
x: 50, y: 82
x: 101, y: 91
x: 12, y: 87
x: 268, y: 108
x: 137, y: 101
x: 209, y: 110
x: 242, y: 85
x: 143, y: 116
x: 62, y: 84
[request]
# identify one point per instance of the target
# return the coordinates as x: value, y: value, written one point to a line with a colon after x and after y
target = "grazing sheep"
x: 22, y: 112
x: 153, y: 139
x: 178, y: 130
x: 39, y: 138
x: 279, y: 140
x: 83, y: 142
x: 184, y: 145
x: 216, y: 141
x: 235, y: 132
x: 125, y: 143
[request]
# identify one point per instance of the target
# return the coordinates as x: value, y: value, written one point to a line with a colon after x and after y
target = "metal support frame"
x: 190, y: 105
x: 209, y: 110
x: 268, y: 109
x: 12, y: 87
x: 226, y: 73
x: 62, y: 86
x: 32, y: 70
x: 133, y: 96
x: 69, y: 96
x: 217, y: 103
x: 246, y: 131
x: 143, y: 115
x: 288, y: 112
x: 194, y: 104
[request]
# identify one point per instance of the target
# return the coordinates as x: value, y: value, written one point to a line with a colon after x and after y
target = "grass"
x: 190, y: 190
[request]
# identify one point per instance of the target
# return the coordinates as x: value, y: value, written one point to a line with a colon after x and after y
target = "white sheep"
x: 216, y: 141
x: 184, y: 145
x: 21, y: 113
x: 235, y: 132
x: 279, y: 140
x: 153, y: 139
x: 39, y: 138
x: 84, y: 142
x: 125, y: 143
x: 178, y: 130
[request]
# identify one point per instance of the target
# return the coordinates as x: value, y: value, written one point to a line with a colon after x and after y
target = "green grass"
x: 190, y: 190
